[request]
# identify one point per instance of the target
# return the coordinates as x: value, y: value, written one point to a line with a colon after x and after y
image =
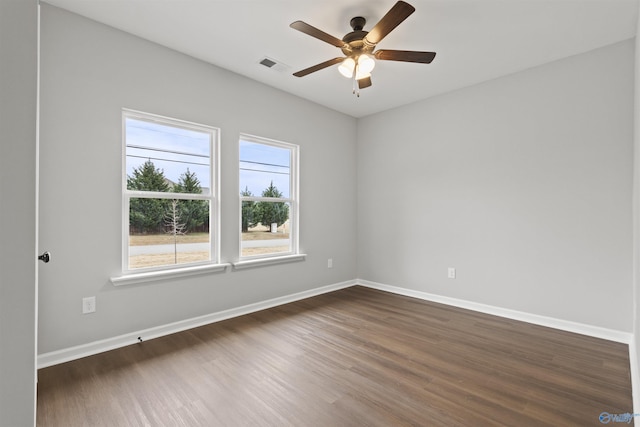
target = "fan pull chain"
x: 356, y: 87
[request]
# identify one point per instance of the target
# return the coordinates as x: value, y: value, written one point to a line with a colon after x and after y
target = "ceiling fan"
x: 359, y: 46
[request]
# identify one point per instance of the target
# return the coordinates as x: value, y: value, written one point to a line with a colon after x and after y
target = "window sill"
x: 241, y: 265
x: 150, y: 276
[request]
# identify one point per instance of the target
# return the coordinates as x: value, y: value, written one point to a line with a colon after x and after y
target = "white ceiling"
x: 475, y: 40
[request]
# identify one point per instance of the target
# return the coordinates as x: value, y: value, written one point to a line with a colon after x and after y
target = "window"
x: 169, y: 192
x: 268, y: 198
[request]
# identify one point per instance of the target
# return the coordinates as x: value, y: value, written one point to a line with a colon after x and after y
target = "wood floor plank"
x: 352, y: 357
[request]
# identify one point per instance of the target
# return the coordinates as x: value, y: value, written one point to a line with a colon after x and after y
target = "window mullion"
x: 266, y: 199
x: 167, y: 195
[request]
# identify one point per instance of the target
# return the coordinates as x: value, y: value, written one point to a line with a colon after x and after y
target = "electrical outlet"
x: 330, y: 263
x: 451, y: 273
x: 88, y: 305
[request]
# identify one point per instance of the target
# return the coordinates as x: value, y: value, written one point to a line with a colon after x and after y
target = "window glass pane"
x: 266, y: 228
x: 166, y: 232
x: 264, y: 170
x: 159, y: 154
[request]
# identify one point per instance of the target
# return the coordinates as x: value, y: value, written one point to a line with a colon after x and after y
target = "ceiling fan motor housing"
x: 355, y: 39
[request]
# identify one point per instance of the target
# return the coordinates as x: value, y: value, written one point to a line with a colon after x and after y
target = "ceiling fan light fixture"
x: 346, y: 67
x: 363, y: 66
x: 366, y: 63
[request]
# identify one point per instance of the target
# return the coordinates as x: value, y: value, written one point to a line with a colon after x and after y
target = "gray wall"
x: 18, y: 110
x: 89, y: 73
x: 522, y: 183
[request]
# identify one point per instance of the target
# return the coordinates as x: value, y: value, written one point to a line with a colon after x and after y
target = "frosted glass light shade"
x: 366, y: 63
x: 347, y: 66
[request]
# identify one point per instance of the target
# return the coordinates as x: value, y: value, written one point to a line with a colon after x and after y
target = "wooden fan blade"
x: 318, y: 67
x: 364, y: 82
x: 398, y: 13
x: 405, y: 56
x: 319, y: 34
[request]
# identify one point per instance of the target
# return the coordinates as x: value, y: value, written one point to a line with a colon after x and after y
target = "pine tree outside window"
x: 268, y: 198
x: 169, y: 193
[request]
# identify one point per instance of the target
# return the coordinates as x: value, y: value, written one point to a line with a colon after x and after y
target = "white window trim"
x: 131, y: 276
x: 152, y: 276
x: 294, y: 201
x: 272, y: 260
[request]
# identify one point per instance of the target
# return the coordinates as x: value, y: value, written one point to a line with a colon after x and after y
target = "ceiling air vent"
x: 268, y: 63
x: 273, y: 64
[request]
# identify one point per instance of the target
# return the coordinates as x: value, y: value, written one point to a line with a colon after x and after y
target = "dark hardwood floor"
x: 355, y: 357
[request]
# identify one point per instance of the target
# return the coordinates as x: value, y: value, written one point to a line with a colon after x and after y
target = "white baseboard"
x: 77, y: 352
x: 564, y: 325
